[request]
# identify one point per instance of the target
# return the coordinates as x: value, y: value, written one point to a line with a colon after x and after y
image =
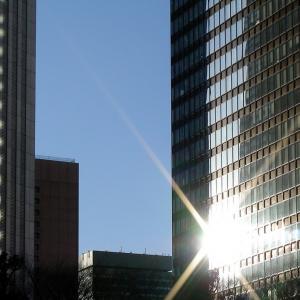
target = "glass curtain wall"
x: 235, y: 137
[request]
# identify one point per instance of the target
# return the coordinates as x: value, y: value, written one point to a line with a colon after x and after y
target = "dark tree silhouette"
x: 85, y: 285
x: 10, y: 267
x: 58, y: 282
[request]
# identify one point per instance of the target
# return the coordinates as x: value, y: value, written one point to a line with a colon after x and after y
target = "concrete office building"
x: 236, y: 138
x: 56, y: 224
x: 17, y: 122
x: 117, y: 275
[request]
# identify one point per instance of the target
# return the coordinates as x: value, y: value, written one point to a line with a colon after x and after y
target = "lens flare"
x: 214, y: 231
x: 226, y: 237
x: 186, y: 274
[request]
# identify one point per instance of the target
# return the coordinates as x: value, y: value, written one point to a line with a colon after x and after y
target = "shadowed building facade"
x: 235, y: 137
x: 56, y: 226
x: 17, y: 132
x: 116, y: 275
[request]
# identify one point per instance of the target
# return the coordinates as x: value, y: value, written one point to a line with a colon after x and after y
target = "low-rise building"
x: 117, y: 275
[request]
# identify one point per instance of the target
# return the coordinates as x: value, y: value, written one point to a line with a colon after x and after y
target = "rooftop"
x: 125, y: 260
x: 52, y: 158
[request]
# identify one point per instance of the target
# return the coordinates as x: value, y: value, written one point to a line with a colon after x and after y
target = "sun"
x: 227, y: 237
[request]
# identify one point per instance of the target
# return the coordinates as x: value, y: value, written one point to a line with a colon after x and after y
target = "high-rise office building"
x: 56, y: 212
x: 56, y: 227
x: 236, y: 138
x: 17, y: 122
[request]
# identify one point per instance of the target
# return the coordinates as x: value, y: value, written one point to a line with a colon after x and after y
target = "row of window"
x: 224, y: 158
x: 258, y: 167
x: 189, y: 38
x: 192, y: 105
x: 236, y: 177
x: 193, y: 127
x: 276, y: 212
x: 269, y: 110
x: 271, y: 188
x: 252, y: 44
x: 216, y: 66
x: 273, y: 56
x: 190, y: 129
x: 224, y: 13
x: 238, y: 77
x: 190, y: 152
x: 236, y: 29
x: 258, y: 243
x: 249, y: 223
x: 211, y: 3
x: 224, y: 183
x: 225, y: 37
x: 214, y: 44
x: 229, y: 155
x: 228, y: 83
x: 230, y: 57
x: 219, y: 17
x: 194, y: 80
x: 278, y: 27
x: 264, y: 11
x: 230, y: 9
x: 226, y: 60
x: 269, y: 162
x: 273, y: 82
x: 224, y: 134
x: 264, y: 62
x: 188, y: 61
x: 273, y: 239
x: 188, y: 16
x: 274, y: 266
x: 260, y: 115
x: 226, y: 108
x: 219, y: 112
x: 257, y: 219
x: 236, y: 152
x: 241, y: 75
x: 200, y: 193
x: 261, y: 270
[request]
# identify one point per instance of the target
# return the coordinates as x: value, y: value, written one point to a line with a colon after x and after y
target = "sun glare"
x: 226, y: 238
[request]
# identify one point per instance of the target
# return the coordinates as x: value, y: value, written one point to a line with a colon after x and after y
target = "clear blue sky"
x: 122, y: 47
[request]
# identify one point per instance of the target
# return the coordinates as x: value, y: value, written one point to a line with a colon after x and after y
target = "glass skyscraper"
x: 236, y: 137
